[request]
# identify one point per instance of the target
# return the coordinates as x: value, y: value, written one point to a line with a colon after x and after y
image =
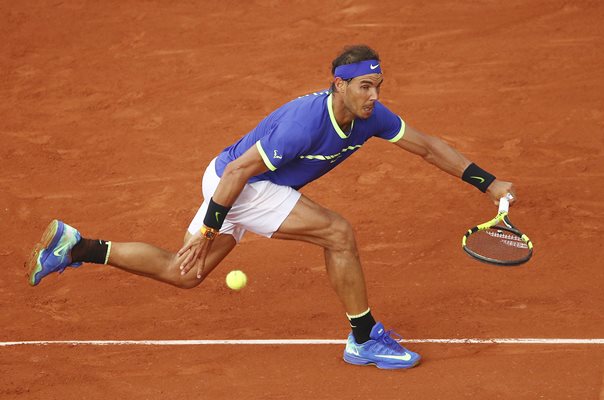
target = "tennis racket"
x: 498, y: 241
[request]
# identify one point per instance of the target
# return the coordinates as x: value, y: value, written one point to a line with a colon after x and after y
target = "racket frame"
x: 502, y: 216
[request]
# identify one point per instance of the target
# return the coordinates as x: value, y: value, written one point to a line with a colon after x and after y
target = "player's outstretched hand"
x: 499, y: 189
x: 195, y: 251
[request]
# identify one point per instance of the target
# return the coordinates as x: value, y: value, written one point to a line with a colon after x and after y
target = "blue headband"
x: 350, y: 71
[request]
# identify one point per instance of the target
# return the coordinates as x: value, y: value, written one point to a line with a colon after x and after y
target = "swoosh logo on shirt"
x: 373, y: 66
x: 479, y: 178
x: 406, y: 357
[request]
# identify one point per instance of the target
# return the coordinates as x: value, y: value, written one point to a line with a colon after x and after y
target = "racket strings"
x: 497, y: 244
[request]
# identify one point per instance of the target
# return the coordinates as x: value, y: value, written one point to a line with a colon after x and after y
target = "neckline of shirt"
x: 334, y: 123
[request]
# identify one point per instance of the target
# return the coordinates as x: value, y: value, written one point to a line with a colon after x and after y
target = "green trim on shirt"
x: 400, y: 134
x: 333, y: 119
x: 265, y: 158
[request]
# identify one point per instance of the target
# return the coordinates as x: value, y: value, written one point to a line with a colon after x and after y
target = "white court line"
x: 289, y: 342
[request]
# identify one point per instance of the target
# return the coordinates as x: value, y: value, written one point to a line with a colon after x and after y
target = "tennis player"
x: 253, y: 185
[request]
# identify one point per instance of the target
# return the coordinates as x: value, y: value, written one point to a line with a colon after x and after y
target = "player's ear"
x: 339, y: 84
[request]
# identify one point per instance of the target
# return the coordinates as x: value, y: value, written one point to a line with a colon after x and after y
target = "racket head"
x: 498, y: 242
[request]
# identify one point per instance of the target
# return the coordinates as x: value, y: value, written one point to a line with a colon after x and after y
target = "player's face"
x: 361, y: 94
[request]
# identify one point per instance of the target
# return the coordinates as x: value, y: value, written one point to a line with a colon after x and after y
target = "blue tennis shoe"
x: 381, y: 350
x: 53, y: 252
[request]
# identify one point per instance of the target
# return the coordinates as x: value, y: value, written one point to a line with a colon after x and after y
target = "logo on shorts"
x: 275, y: 155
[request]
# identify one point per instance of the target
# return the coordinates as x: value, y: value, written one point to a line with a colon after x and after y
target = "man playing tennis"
x: 253, y: 185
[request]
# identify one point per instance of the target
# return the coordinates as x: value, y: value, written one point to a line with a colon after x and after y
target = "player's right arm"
x: 434, y: 150
x: 437, y: 152
x: 235, y: 176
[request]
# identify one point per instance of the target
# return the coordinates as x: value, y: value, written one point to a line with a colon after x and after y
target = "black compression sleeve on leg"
x: 90, y: 250
x: 361, y: 326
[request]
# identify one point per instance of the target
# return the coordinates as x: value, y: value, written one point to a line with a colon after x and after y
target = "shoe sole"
x: 34, y: 264
x: 362, y: 363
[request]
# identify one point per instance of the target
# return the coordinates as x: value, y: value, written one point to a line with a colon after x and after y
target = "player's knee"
x: 341, y: 235
x: 189, y: 281
x: 186, y: 281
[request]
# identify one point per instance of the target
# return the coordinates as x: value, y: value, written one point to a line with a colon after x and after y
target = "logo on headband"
x: 349, y: 71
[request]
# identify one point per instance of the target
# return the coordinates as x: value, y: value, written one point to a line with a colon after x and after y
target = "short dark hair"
x: 353, y: 54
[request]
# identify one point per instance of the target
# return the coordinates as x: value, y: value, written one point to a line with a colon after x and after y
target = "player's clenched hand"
x: 195, y: 251
x: 499, y: 189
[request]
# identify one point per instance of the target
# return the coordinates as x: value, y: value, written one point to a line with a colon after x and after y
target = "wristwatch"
x: 208, y: 233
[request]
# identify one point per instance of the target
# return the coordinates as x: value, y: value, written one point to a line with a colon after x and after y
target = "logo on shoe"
x: 351, y: 349
x: 59, y: 249
x: 405, y: 357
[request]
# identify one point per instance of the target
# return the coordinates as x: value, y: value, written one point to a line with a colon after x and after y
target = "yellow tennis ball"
x: 236, y: 280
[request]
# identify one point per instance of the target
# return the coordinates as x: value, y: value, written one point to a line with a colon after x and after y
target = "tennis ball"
x: 236, y: 280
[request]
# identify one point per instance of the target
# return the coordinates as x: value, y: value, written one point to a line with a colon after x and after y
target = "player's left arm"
x: 437, y: 152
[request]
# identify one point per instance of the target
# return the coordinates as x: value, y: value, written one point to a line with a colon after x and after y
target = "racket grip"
x: 504, y: 204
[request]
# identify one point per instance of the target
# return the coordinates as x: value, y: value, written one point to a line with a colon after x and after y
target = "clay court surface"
x: 111, y: 111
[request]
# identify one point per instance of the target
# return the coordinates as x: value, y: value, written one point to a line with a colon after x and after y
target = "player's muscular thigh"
x: 313, y: 223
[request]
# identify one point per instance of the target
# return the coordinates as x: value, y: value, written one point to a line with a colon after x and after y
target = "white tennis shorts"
x: 260, y: 208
